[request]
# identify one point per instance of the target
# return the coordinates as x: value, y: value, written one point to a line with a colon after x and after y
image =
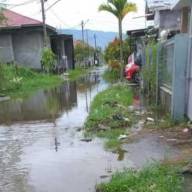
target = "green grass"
x: 109, y: 109
x: 74, y: 74
x: 111, y: 75
x: 111, y: 136
x: 111, y: 102
x: 154, y: 178
x: 20, y: 81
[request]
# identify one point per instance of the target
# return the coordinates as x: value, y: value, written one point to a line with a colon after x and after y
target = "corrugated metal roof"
x: 159, y: 4
x: 14, y: 19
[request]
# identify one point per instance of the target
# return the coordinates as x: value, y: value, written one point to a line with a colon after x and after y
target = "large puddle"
x: 41, y: 148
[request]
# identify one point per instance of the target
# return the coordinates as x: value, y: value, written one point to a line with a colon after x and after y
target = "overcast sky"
x: 69, y: 13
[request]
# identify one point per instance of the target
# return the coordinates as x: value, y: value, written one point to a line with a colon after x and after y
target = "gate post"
x: 179, y: 78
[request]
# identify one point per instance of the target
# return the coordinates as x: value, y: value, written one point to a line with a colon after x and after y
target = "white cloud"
x: 69, y: 13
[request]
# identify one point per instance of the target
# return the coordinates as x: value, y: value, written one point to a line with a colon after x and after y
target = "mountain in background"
x: 103, y: 38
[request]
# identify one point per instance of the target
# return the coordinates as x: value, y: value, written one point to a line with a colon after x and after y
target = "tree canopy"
x: 119, y: 8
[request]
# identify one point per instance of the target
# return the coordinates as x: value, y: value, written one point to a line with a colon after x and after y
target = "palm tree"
x: 119, y: 8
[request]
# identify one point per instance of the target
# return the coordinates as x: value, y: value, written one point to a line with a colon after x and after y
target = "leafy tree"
x: 112, y: 52
x: 82, y: 51
x: 119, y: 8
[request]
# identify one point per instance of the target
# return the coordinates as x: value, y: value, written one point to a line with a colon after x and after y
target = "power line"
x: 52, y: 5
x: 17, y: 5
x: 58, y: 18
x: 61, y: 21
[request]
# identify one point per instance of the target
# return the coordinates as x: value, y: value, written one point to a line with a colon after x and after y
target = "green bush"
x: 48, y: 60
x: 18, y: 81
x: 12, y: 76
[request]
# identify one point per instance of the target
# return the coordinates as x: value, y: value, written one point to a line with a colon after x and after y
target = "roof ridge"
x: 20, y: 15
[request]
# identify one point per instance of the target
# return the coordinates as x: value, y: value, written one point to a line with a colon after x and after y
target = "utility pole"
x: 95, y: 38
x: 44, y: 23
x: 87, y: 37
x: 95, y: 54
x: 82, y: 27
x: 83, y: 23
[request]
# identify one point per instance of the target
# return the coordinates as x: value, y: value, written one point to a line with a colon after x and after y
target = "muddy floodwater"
x: 41, y: 148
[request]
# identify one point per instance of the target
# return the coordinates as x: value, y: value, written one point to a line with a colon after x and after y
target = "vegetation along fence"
x: 171, y: 79
x: 164, y: 74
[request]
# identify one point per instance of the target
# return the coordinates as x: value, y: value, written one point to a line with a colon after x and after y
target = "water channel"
x: 41, y: 148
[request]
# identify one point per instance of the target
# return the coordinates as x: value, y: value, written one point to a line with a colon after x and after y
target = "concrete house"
x: 185, y: 6
x: 21, y: 41
x: 173, y: 21
x: 165, y: 19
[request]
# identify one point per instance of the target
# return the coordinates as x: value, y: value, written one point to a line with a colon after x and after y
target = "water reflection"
x: 40, y: 124
x: 12, y: 178
x: 48, y: 104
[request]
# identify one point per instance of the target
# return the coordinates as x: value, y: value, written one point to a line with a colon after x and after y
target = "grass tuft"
x: 17, y: 81
x: 154, y: 178
x: 111, y: 75
x: 74, y: 74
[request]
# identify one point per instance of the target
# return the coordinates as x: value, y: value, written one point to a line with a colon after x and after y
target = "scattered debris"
x: 140, y: 113
x: 104, y: 176
x: 79, y: 129
x: 150, y: 119
x: 121, y: 137
x: 4, y: 98
x: 126, y: 119
x: 86, y: 140
x: 65, y: 74
x: 131, y: 108
x: 112, y: 104
x: 171, y: 140
x: 103, y: 127
x: 138, y: 126
x: 187, y: 169
x: 118, y: 117
x: 186, y: 130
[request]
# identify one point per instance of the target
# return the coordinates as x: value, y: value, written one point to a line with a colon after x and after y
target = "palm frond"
x: 109, y: 8
x: 119, y: 8
x: 130, y: 7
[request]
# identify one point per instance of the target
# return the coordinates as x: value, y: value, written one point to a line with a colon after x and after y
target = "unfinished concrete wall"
x: 166, y: 19
x: 6, y: 49
x: 28, y: 48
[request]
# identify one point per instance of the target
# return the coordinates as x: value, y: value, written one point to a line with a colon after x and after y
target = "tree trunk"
x: 121, y: 49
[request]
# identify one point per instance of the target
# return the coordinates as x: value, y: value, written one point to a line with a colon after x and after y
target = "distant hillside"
x: 103, y: 38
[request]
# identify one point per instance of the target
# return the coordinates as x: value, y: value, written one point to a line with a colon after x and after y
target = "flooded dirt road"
x: 41, y: 148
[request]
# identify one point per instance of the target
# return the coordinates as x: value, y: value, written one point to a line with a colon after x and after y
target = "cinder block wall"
x: 6, y: 49
x: 27, y: 48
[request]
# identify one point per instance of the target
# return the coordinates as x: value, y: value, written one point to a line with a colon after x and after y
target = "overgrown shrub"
x: 149, y: 70
x: 114, y: 64
x: 16, y: 80
x: 48, y: 60
x: 112, y: 74
x: 112, y: 52
x: 9, y: 79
